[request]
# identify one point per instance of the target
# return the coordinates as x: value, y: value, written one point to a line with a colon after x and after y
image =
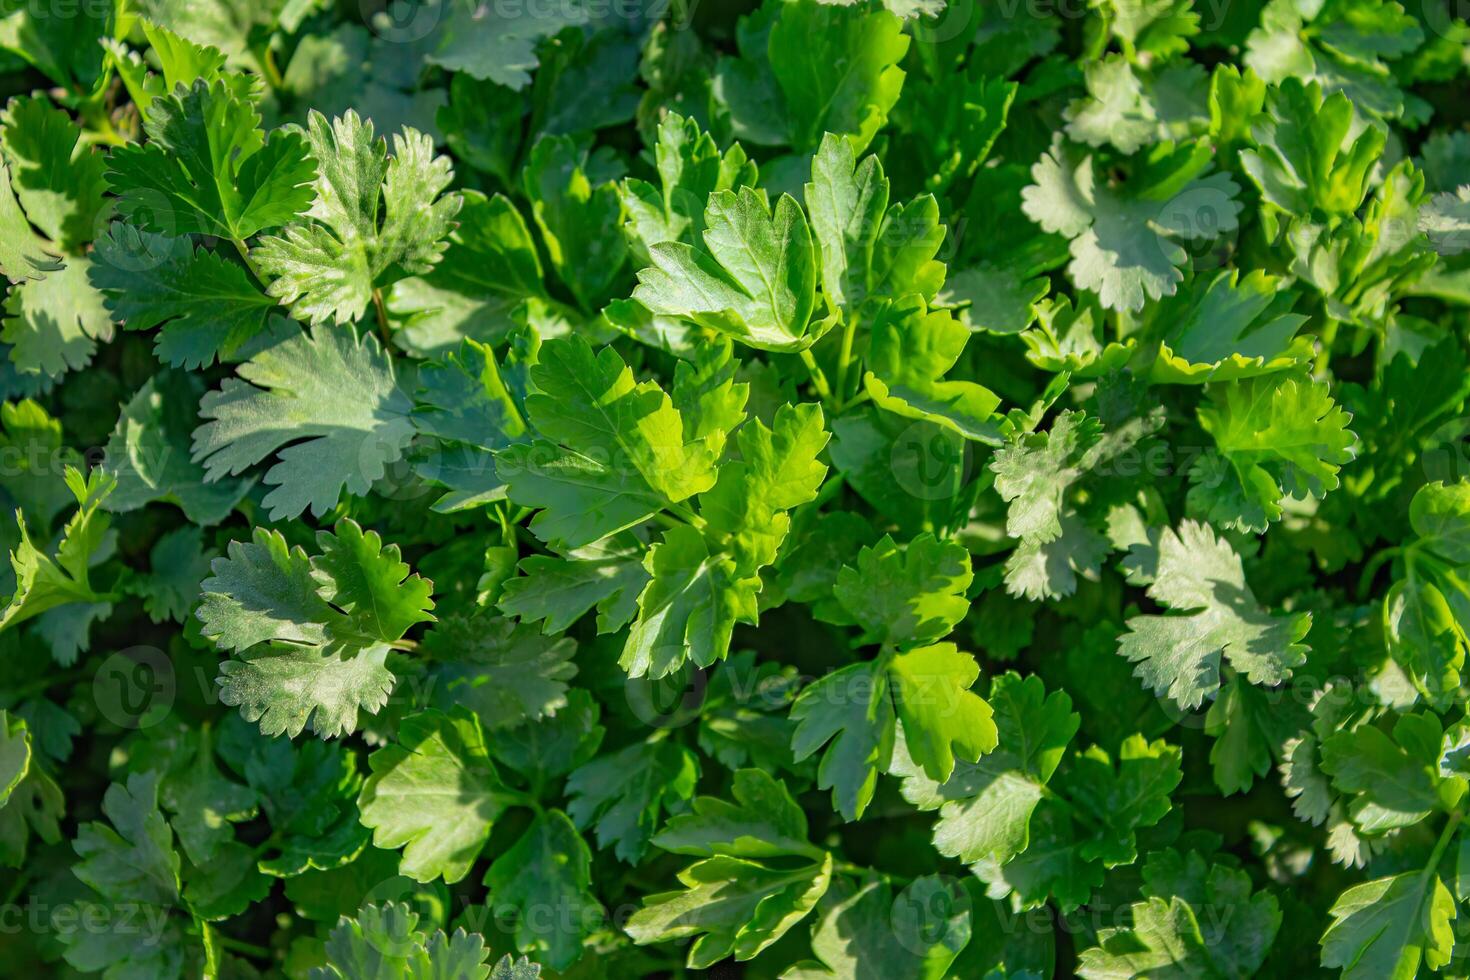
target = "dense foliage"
x: 892, y: 490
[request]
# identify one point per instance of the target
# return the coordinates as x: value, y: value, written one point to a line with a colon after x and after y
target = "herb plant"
x: 903, y: 490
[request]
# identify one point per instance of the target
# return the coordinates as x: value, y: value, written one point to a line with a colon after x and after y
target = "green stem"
x: 268, y: 67
x: 857, y: 870
x: 1329, y: 337
x: 381, y: 309
x: 686, y: 515
x: 1444, y: 841
x: 249, y: 261
x: 242, y: 947
x: 849, y: 331
x: 1365, y: 579
x: 819, y: 380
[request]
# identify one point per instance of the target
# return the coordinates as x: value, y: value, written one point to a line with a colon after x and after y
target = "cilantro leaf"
x: 1275, y: 436
x: 435, y: 794
x: 209, y: 170
x: 753, y: 277
x: 622, y: 794
x: 1200, y: 578
x: 1124, y: 243
x: 313, y: 634
x: 384, y: 941
x: 548, y: 867
x: 205, y: 306
x: 342, y: 399
x: 1170, y: 930
x: 374, y: 220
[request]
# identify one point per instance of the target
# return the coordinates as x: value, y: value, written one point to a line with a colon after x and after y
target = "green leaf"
x: 313, y: 634
x: 690, y: 169
x: 23, y: 253
x: 864, y: 929
x: 209, y: 170
x: 1395, y: 782
x: 383, y: 942
x: 1390, y: 926
x: 688, y: 609
x: 1124, y: 793
x: 763, y: 822
x: 435, y: 793
x: 1230, y: 329
x: 377, y: 217
x: 336, y: 393
x: 1194, y: 922
x: 500, y: 45
x: 557, y: 591
x: 45, y: 582
x: 548, y: 748
x: 1123, y: 242
x: 621, y: 795
x: 1275, y: 436
x: 851, y: 709
x: 549, y: 867
x: 1446, y: 220
x: 178, y: 563
x: 59, y: 182
x: 624, y: 459
x: 753, y: 278
x: 205, y: 804
x: 355, y: 592
x: 941, y: 717
x: 735, y: 907
x: 53, y: 324
x: 148, y: 453
x: 1423, y: 613
x: 480, y: 286
x: 1305, y: 161
x: 786, y: 72
x: 134, y: 859
x: 573, y: 215
x: 205, y: 306
x: 128, y: 865
x: 909, y: 352
x: 1199, y: 577
x: 504, y: 672
x: 15, y: 756
x: 985, y: 806
x: 33, y: 804
x: 909, y: 597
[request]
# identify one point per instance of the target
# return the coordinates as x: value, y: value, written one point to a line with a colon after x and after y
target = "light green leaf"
x: 753, y: 279
x: 377, y: 217
x: 435, y: 793
x: 735, y: 907
x: 333, y: 398
x: 53, y: 324
x: 1199, y: 577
